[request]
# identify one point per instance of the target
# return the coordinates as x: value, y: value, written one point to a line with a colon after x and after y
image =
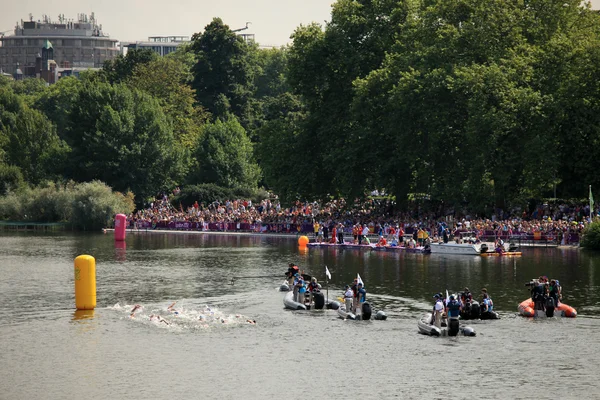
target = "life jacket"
x: 313, y: 286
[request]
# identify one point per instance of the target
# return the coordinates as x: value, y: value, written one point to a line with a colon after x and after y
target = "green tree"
x: 120, y: 68
x: 223, y: 73
x: 165, y: 79
x: 119, y: 136
x: 225, y: 156
x: 30, y: 139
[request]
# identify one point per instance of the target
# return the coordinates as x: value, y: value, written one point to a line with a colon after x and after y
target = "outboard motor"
x: 483, y: 248
x: 475, y: 310
x: 550, y: 307
x: 319, y: 300
x: 453, y: 327
x: 366, y: 311
x: 466, y: 311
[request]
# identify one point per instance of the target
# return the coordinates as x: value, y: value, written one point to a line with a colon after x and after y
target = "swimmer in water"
x: 159, y: 319
x: 173, y: 310
x: 134, y: 309
x: 251, y: 321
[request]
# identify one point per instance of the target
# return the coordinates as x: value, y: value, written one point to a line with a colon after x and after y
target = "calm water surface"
x: 49, y: 351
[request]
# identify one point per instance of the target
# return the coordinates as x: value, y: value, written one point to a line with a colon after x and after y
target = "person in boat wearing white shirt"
x: 348, y: 298
x: 438, y: 311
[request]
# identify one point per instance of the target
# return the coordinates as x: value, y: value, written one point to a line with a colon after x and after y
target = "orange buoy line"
x: 507, y: 253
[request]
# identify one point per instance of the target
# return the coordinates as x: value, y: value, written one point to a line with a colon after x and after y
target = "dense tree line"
x: 471, y: 103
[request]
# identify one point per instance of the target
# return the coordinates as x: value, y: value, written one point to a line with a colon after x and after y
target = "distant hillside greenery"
x: 474, y: 104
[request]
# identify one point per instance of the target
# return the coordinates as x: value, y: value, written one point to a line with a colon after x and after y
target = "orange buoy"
x: 303, y: 241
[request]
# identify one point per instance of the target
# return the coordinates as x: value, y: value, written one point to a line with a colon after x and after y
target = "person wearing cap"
x: 348, y: 297
x: 438, y: 311
x: 298, y: 282
x: 293, y: 269
x: 361, y: 297
x: 453, y: 308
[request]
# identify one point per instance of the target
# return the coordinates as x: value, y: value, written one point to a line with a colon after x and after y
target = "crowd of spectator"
x: 554, y: 222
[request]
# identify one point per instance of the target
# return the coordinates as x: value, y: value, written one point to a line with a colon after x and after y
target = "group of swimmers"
x: 174, y: 312
x: 452, y: 307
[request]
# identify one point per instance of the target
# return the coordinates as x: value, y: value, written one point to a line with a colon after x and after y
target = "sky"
x: 272, y: 21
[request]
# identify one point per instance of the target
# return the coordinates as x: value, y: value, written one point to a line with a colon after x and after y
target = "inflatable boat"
x: 320, y: 302
x: 426, y: 328
x: 527, y: 309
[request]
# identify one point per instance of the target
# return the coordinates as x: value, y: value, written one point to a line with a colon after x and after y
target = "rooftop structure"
x: 76, y: 42
x: 162, y: 45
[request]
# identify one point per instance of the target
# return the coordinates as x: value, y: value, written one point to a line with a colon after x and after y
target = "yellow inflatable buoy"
x: 303, y: 241
x: 85, y: 282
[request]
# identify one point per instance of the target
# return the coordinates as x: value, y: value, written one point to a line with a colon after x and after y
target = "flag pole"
x: 327, y: 282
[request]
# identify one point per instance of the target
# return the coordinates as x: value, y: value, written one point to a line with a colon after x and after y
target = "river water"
x: 49, y: 351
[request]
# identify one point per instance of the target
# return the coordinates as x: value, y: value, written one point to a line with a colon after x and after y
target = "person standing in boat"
x: 361, y: 297
x: 438, y: 311
x: 313, y: 287
x: 453, y: 309
x: 348, y: 298
x: 291, y: 273
x: 298, y: 282
x: 555, y: 291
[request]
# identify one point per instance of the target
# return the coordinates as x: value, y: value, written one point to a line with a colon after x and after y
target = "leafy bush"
x: 591, y: 236
x: 11, y: 178
x: 87, y: 206
x: 95, y: 205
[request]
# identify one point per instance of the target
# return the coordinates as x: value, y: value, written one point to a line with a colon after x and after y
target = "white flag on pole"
x: 327, y: 272
x: 359, y: 280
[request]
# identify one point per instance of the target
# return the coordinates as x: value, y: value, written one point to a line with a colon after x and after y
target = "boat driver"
x: 488, y: 304
x: 313, y: 287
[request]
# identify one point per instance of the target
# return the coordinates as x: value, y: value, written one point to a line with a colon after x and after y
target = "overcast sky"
x: 272, y: 21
